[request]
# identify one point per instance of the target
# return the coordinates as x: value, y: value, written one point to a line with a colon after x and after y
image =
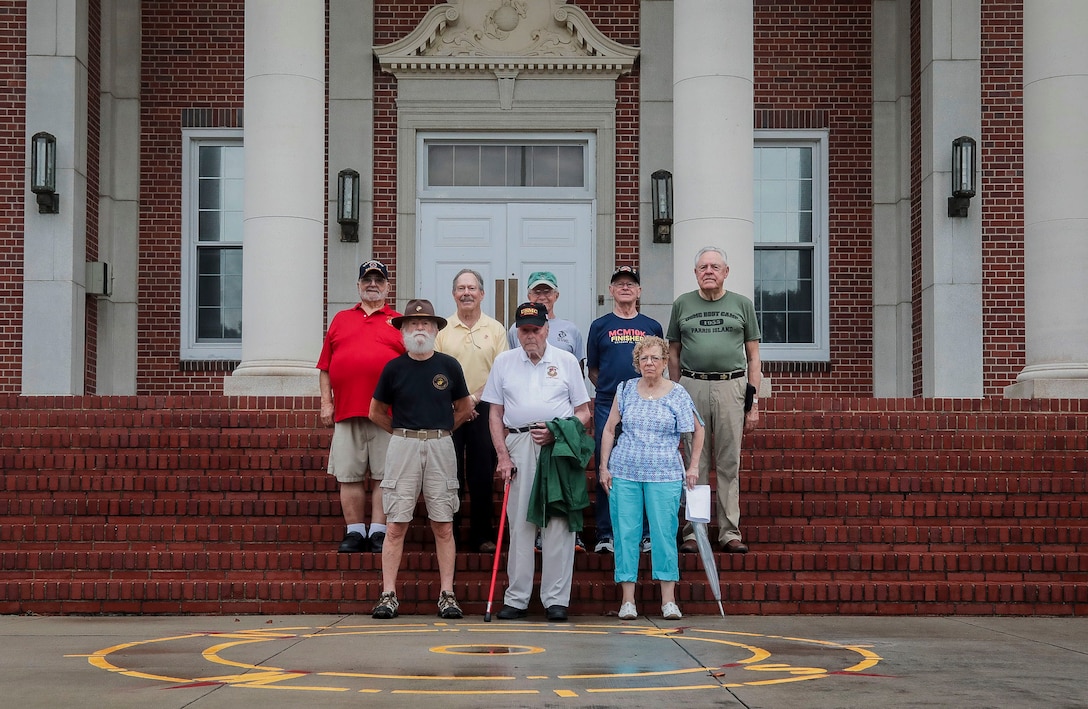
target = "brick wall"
x: 14, y: 194
x: 193, y: 53
x: 1002, y: 190
x: 813, y: 70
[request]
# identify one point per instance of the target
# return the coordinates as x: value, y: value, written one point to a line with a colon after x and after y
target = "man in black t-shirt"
x: 429, y: 399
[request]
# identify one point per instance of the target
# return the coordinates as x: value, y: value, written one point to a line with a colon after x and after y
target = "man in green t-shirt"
x: 714, y: 353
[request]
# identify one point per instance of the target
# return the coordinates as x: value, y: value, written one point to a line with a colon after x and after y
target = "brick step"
x: 318, y: 508
x: 742, y: 597
x: 938, y: 536
x: 788, y: 482
x: 800, y: 565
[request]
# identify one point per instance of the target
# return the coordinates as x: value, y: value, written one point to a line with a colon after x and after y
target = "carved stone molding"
x: 510, y: 37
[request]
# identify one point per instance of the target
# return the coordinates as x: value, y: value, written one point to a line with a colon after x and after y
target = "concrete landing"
x: 202, y: 662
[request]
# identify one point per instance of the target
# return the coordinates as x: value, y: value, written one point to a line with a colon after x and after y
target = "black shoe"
x: 377, y: 541
x: 511, y: 613
x: 557, y: 613
x: 353, y: 542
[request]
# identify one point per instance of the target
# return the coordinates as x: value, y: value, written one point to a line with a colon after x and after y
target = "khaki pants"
x: 721, y: 404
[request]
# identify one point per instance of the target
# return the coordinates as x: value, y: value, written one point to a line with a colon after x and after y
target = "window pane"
x: 493, y: 165
x: 545, y: 166
x: 209, y: 226
x: 440, y: 165
x: 784, y: 295
x: 208, y: 157
x: 219, y: 294
x: 466, y: 165
x: 571, y: 166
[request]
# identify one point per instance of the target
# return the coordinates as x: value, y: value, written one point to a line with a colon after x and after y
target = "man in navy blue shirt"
x: 610, y: 346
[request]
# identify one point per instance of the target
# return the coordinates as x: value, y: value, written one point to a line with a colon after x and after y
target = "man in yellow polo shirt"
x: 474, y: 340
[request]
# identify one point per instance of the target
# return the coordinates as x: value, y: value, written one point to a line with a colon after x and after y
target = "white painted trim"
x: 190, y: 349
x: 820, y: 350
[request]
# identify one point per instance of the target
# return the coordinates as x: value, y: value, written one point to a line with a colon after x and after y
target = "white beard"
x: 419, y: 342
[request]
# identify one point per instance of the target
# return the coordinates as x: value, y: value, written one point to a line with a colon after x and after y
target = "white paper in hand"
x: 698, y: 509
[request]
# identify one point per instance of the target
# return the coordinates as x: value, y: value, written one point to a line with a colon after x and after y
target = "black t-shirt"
x: 421, y: 394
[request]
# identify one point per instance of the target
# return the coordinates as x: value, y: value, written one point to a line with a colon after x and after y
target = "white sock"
x: 360, y: 528
x: 375, y: 528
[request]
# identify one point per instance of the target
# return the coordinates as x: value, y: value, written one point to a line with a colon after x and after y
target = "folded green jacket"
x: 559, y: 489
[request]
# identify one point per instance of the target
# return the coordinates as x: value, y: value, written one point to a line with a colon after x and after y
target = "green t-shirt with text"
x: 712, y: 333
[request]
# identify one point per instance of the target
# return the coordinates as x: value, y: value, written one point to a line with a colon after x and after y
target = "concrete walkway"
x: 205, y: 662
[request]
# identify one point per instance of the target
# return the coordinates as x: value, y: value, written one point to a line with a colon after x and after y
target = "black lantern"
x: 963, y: 176
x: 43, y: 172
x: 661, y: 196
x: 347, y: 204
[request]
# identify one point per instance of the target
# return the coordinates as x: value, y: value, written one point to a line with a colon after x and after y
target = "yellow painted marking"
x: 424, y: 678
x: 659, y: 689
x: 656, y: 673
x: 789, y: 669
x: 442, y: 691
x: 566, y: 693
x: 537, y: 677
x: 464, y: 650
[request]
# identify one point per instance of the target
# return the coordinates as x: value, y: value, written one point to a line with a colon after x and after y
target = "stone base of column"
x: 1048, y: 388
x: 272, y: 380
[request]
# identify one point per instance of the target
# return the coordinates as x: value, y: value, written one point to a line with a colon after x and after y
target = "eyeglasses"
x: 625, y: 284
x: 544, y: 290
x: 650, y: 358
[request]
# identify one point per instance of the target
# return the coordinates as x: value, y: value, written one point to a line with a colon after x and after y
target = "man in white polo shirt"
x: 528, y: 387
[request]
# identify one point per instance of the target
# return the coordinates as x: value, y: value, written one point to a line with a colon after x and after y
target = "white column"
x: 283, y: 255
x: 55, y: 245
x: 951, y: 259
x: 712, y: 138
x: 1055, y: 204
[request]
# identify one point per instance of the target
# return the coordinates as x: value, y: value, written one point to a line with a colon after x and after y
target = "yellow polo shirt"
x: 476, y: 348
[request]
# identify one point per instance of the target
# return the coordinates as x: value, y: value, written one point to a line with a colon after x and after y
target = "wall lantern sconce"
x: 43, y: 172
x: 661, y: 196
x: 963, y: 176
x: 347, y: 204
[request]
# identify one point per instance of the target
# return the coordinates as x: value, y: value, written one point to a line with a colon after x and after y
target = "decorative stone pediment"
x: 508, y: 36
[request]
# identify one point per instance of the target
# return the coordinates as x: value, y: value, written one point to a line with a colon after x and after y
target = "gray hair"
x: 463, y: 271
x: 708, y: 249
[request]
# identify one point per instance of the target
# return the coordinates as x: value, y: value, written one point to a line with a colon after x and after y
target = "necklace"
x: 651, y: 396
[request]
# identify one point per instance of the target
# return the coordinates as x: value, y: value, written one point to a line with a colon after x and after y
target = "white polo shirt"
x: 551, y: 388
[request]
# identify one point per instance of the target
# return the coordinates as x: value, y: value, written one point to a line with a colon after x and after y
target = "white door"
x: 505, y: 242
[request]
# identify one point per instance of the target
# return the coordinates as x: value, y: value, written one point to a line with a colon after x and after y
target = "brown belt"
x: 425, y: 434
x: 713, y: 376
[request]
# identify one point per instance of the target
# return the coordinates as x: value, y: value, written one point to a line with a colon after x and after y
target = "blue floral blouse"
x: 648, y: 448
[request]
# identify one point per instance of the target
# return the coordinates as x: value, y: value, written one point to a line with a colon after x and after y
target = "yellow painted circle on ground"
x: 487, y: 650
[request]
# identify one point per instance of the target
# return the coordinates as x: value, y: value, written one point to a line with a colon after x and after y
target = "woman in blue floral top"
x: 642, y: 471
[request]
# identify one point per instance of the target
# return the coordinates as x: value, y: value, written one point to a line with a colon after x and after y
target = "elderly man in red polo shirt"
x: 359, y: 343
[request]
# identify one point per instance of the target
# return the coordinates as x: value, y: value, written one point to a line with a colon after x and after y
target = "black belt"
x: 425, y: 434
x: 523, y: 429
x: 713, y: 376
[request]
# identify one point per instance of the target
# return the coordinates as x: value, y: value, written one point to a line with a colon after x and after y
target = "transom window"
x: 453, y: 163
x: 791, y: 247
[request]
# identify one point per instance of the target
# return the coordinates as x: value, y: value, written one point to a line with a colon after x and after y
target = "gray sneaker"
x: 447, y: 606
x: 387, y: 606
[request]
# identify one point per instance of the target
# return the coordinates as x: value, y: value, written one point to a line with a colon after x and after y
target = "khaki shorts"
x: 358, y: 445
x: 414, y: 466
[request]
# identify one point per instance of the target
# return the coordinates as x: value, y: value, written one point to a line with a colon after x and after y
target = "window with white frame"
x: 213, y: 177
x: 791, y: 273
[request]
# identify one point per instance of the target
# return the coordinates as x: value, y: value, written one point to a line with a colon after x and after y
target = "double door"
x: 506, y: 242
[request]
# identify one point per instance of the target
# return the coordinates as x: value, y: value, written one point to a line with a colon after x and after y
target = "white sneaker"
x: 628, y: 612
x: 645, y: 546
x: 604, y: 547
x: 670, y: 611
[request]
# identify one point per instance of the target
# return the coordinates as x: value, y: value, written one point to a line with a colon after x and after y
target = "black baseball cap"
x: 371, y: 266
x: 626, y: 271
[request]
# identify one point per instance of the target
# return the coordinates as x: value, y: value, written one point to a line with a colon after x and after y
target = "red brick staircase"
x: 219, y: 505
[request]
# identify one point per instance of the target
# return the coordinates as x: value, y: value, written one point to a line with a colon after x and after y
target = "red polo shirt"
x: 356, y: 349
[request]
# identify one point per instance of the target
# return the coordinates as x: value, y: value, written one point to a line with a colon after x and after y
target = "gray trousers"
x: 556, y: 539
